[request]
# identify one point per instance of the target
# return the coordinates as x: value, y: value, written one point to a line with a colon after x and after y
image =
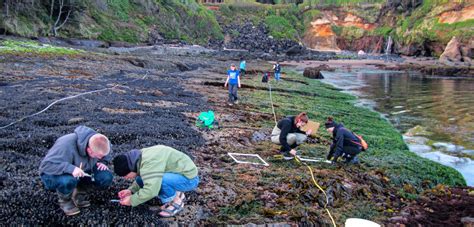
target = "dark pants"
x: 233, y: 92
x: 66, y: 183
x: 349, y: 152
x: 242, y: 72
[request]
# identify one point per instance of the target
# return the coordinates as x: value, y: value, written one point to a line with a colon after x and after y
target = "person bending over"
x: 159, y: 171
x: 345, y: 144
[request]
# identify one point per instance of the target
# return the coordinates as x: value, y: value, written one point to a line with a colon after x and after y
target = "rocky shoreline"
x: 160, y: 85
x: 290, y: 52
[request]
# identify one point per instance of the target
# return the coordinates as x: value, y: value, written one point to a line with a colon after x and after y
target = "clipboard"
x: 314, y: 126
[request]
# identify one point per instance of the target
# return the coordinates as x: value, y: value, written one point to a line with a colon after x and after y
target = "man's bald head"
x: 99, y: 146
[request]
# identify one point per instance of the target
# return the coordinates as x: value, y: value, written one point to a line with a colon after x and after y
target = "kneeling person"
x: 75, y: 163
x: 288, y: 134
x: 345, y: 144
x: 159, y: 171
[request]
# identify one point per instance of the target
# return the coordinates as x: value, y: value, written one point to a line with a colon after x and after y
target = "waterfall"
x: 388, y: 49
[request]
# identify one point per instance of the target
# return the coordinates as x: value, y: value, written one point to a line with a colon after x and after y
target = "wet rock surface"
x: 152, y: 101
x: 35, y: 83
x: 315, y: 72
x: 438, y: 207
x: 434, y: 70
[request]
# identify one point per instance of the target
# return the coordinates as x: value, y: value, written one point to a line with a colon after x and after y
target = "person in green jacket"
x: 159, y: 171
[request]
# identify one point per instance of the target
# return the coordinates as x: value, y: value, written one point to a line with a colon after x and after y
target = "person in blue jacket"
x: 344, y: 144
x: 233, y: 79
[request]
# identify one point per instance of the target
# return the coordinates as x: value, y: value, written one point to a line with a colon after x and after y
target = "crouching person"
x: 159, y: 171
x: 287, y: 133
x: 345, y: 144
x: 75, y: 164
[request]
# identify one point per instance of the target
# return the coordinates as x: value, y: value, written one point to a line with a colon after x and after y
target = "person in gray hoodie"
x: 76, y: 162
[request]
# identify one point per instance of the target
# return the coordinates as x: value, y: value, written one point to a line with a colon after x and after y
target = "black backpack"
x: 265, y: 78
x: 277, y: 68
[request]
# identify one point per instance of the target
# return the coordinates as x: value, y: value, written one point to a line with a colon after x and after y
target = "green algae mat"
x: 387, y: 151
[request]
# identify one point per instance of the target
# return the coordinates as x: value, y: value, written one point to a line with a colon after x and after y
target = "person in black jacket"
x: 287, y: 133
x: 345, y: 144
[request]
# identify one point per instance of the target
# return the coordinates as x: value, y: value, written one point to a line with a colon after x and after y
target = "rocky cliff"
x: 407, y: 27
x: 414, y: 27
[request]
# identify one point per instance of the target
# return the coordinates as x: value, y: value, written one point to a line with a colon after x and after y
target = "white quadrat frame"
x: 248, y: 155
x: 307, y: 159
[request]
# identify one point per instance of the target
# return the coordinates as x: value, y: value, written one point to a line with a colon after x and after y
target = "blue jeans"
x: 171, y: 183
x: 233, y: 93
x: 66, y: 183
x: 277, y: 76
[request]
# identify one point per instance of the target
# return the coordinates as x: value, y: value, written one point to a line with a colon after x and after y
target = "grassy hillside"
x: 118, y: 20
x: 423, y: 24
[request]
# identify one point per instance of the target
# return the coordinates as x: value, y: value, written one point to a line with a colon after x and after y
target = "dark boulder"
x: 296, y: 50
x: 154, y: 37
x: 315, y: 72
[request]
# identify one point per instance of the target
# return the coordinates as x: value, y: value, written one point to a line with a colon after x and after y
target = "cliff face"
x: 324, y: 32
x: 416, y: 27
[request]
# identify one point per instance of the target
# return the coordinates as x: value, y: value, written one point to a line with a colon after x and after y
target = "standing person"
x: 233, y: 79
x: 345, y: 144
x: 159, y: 171
x: 76, y: 162
x: 287, y: 133
x: 277, y: 70
x: 243, y: 65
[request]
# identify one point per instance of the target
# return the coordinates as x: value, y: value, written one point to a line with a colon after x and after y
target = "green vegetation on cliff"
x: 117, y: 20
x: 422, y: 24
x: 283, y: 21
x: 280, y: 27
x: 148, y: 20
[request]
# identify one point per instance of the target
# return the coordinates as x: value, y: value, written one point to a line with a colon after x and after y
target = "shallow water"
x: 443, y: 106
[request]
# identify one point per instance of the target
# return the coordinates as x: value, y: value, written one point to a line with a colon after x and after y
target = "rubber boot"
x: 79, y: 197
x: 355, y: 160
x: 67, y: 205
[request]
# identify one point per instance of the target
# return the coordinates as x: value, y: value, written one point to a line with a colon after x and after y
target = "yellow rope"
x: 319, y: 187
x: 299, y: 161
x: 271, y: 101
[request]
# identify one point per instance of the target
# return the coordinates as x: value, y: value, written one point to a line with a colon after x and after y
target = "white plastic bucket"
x: 358, y: 222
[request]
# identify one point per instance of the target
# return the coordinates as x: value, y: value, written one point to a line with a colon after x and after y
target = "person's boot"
x: 355, y: 160
x: 79, y: 198
x: 67, y: 205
